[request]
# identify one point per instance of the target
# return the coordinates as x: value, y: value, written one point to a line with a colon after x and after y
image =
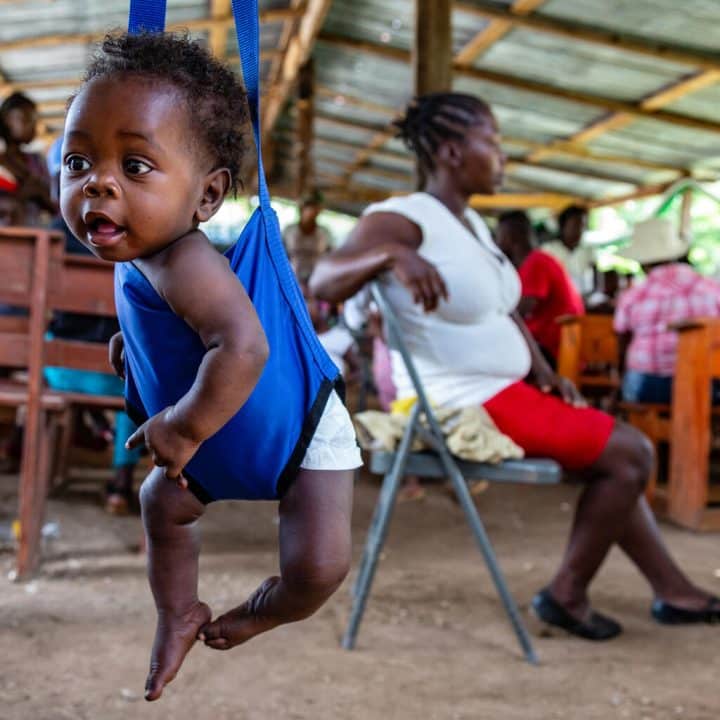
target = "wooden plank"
x: 432, y: 46
x: 299, y: 49
x: 532, y: 86
x: 574, y: 31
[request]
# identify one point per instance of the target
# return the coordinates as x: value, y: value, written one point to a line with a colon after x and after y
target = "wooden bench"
x: 40, y: 278
x: 685, y: 425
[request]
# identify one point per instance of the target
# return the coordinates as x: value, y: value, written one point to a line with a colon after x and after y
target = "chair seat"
x: 428, y: 464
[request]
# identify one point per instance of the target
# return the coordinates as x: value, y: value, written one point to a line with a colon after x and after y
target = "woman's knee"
x: 628, y: 457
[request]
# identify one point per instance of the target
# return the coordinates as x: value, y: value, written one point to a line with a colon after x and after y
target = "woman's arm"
x: 542, y: 374
x: 197, y: 283
x: 380, y: 242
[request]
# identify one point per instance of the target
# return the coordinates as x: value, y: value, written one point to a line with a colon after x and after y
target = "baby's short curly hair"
x: 216, y: 99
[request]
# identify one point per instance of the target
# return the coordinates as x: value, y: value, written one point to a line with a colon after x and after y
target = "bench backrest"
x: 588, y: 342
x: 39, y: 277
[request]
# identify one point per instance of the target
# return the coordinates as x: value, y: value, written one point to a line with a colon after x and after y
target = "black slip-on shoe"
x: 595, y: 627
x: 668, y: 614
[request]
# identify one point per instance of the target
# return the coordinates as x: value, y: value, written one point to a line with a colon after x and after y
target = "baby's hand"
x: 168, y: 447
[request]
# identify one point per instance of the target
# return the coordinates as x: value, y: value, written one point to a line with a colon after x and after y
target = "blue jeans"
x: 95, y: 383
x: 647, y: 388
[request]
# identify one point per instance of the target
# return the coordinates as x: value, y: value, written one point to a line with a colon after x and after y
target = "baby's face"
x: 131, y: 181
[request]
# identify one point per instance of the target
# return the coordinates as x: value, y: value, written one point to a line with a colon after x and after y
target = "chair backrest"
x: 396, y: 341
x: 588, y: 342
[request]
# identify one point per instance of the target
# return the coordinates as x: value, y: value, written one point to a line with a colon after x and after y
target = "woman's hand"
x: 551, y: 382
x: 419, y: 276
x: 169, y: 447
x: 116, y: 349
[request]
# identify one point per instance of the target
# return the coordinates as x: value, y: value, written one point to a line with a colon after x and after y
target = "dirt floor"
x: 74, y: 642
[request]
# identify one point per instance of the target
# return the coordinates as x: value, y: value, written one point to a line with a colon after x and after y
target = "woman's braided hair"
x: 431, y: 119
x: 215, y: 99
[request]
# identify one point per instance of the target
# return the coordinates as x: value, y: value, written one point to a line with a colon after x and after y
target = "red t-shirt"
x: 546, y: 280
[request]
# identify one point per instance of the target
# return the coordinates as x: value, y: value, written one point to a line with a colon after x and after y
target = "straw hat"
x: 655, y: 241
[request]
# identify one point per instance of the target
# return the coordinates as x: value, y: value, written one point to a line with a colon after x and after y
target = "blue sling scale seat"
x: 257, y: 454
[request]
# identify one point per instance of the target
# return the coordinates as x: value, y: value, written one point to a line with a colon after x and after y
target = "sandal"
x: 595, y: 626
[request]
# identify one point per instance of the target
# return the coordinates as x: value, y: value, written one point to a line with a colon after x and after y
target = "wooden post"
x: 305, y: 118
x: 432, y: 59
x: 690, y: 446
x: 432, y: 49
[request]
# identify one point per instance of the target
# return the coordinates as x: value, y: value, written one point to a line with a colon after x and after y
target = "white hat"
x: 655, y: 241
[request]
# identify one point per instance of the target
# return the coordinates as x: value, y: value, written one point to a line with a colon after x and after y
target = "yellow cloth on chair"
x: 469, y: 432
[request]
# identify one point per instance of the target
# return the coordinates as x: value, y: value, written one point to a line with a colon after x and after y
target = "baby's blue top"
x: 256, y: 455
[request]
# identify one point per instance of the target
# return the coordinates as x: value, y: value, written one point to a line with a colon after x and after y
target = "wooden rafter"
x: 606, y: 38
x: 220, y: 11
x: 648, y: 191
x: 560, y: 147
x: 298, y: 51
x: 382, y: 135
x: 595, y: 101
x: 285, y: 37
x: 199, y: 24
x: 653, y: 102
x: 494, y: 31
x: 508, y: 201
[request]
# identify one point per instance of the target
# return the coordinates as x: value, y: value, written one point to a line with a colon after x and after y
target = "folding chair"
x: 438, y: 463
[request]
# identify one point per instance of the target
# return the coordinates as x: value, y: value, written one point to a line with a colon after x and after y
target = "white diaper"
x: 334, y: 445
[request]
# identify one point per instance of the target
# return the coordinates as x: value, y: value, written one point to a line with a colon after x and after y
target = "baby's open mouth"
x: 103, y: 231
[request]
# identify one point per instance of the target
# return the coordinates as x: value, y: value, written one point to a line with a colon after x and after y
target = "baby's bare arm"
x: 198, y: 284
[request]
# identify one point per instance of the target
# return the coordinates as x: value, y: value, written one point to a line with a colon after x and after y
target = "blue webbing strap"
x: 247, y: 29
x: 146, y: 16
x: 149, y: 16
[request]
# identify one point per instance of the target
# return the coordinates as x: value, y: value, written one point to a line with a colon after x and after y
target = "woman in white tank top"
x: 455, y: 296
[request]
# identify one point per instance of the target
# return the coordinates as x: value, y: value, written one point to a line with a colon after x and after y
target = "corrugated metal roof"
x: 693, y: 23
x: 579, y: 65
x: 532, y: 79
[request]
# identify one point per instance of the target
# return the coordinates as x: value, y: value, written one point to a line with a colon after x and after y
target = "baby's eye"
x: 136, y: 167
x: 76, y: 163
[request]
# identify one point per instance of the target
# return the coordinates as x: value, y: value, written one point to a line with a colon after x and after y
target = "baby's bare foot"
x: 174, y: 637
x: 239, y: 625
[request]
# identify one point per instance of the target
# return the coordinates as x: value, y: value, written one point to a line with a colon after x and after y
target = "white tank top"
x: 469, y: 349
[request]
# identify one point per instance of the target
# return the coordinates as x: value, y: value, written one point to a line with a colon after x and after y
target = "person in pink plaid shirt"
x: 672, y: 292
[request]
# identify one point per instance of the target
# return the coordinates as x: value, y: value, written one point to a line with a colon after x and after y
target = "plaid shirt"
x: 670, y: 294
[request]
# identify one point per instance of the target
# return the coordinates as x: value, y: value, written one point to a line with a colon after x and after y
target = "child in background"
x: 229, y: 406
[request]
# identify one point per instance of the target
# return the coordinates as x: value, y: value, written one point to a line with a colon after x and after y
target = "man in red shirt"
x: 547, y: 290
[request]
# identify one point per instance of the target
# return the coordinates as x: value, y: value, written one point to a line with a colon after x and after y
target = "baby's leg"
x: 314, y: 559
x: 169, y: 514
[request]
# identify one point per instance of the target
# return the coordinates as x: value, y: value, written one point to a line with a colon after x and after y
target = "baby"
x: 234, y: 396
